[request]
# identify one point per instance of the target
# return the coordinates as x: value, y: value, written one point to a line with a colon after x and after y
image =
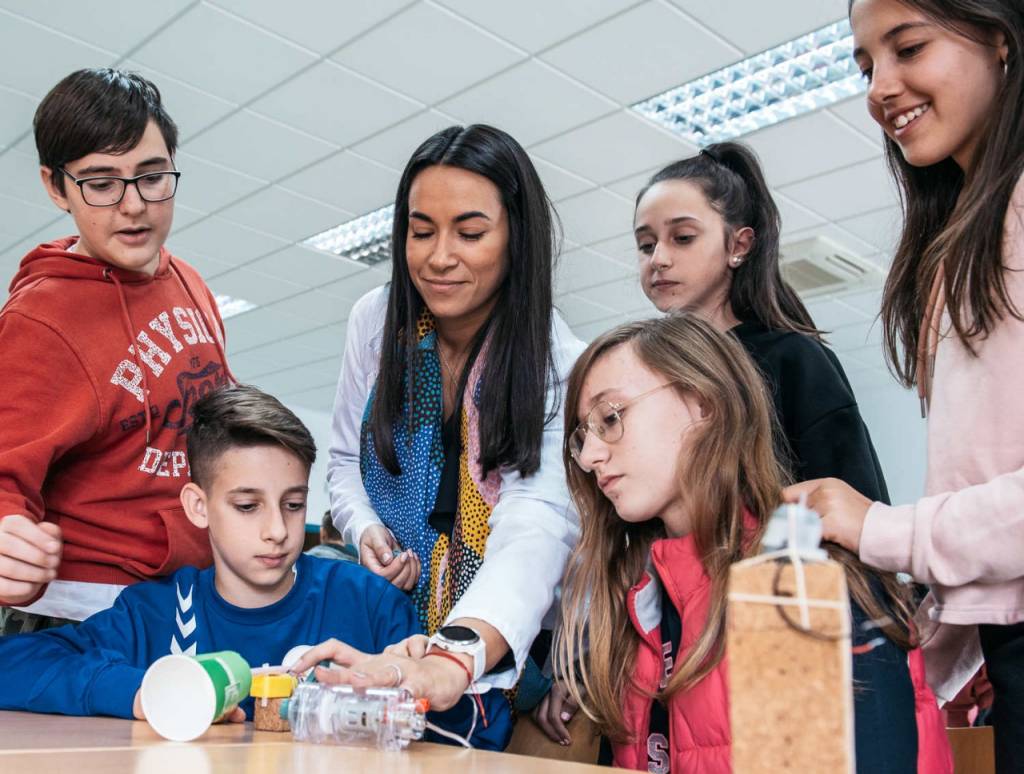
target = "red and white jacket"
x: 699, y: 735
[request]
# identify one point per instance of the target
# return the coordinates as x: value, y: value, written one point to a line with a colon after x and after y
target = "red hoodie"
x: 102, y: 366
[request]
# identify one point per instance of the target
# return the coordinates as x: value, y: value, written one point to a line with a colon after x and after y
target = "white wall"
x: 319, y: 424
x: 893, y: 417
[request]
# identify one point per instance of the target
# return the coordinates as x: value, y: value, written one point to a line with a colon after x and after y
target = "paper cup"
x: 183, y: 695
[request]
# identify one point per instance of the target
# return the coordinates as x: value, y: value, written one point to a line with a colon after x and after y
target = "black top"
x: 447, y: 501
x: 658, y: 749
x: 825, y: 437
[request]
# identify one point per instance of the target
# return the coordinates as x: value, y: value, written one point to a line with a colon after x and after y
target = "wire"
x: 455, y: 737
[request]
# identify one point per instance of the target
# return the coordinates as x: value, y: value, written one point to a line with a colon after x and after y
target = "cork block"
x: 269, y: 691
x: 790, y: 692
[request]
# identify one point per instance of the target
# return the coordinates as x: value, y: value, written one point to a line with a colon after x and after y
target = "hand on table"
x: 554, y: 713
x: 437, y: 679
x: 377, y: 549
x: 237, y: 715
x: 29, y: 556
x: 842, y: 509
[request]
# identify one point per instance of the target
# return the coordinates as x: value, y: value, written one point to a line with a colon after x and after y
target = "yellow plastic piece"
x: 272, y: 686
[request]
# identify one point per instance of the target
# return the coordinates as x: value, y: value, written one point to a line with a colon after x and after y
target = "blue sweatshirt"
x: 96, y: 667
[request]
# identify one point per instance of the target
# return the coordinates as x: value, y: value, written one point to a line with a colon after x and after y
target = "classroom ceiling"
x: 296, y: 116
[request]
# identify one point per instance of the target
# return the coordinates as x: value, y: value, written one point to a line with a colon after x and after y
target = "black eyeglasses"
x: 106, y: 191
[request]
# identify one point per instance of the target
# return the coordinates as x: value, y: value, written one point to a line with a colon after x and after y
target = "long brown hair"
x: 952, y: 219
x: 730, y: 468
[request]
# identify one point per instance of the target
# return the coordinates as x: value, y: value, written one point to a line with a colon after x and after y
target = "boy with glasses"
x: 108, y: 341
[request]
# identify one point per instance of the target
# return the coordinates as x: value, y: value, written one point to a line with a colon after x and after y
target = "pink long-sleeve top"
x: 965, y: 538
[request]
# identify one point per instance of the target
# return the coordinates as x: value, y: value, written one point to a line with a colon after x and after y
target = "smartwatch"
x: 462, y: 639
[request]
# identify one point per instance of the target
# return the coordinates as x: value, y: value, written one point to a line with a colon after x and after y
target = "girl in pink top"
x: 947, y: 87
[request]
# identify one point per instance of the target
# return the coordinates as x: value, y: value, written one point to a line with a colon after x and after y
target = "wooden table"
x: 40, y: 744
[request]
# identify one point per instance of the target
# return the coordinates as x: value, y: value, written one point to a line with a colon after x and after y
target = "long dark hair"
x: 952, y: 219
x: 730, y: 176
x: 519, y: 363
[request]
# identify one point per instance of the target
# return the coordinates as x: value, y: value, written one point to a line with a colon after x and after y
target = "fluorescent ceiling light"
x: 366, y: 239
x: 230, y: 307
x: 811, y: 72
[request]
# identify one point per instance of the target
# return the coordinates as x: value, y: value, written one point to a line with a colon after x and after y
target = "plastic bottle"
x: 385, y: 718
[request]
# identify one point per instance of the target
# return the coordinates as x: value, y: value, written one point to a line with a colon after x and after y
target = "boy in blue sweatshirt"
x: 250, y: 459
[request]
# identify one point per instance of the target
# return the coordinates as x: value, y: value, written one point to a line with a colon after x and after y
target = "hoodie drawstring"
x: 126, y: 318
x: 217, y: 332
x: 928, y: 340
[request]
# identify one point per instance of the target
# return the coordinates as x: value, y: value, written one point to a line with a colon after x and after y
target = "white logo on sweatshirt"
x: 193, y: 329
x: 185, y: 628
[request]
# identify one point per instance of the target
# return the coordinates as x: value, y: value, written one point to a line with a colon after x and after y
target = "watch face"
x: 460, y: 634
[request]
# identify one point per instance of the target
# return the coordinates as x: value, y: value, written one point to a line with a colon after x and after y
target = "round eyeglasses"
x: 107, y: 190
x: 605, y: 421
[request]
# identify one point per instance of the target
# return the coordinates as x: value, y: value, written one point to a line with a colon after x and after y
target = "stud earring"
x: 736, y: 260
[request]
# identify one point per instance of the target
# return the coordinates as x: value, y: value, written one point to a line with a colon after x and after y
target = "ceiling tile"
x: 314, y: 305
x: 334, y: 103
x: 393, y: 147
x: 317, y: 398
x: 312, y: 23
x: 254, y: 287
x: 222, y: 54
x: 641, y: 52
x: 207, y: 186
x: 19, y: 177
x: 279, y: 355
x: 840, y: 236
x: 261, y: 326
x: 118, y: 26
x: 863, y: 334
x: 795, y: 217
x: 354, y: 287
x: 185, y: 216
x: 584, y: 268
x: 810, y: 145
x: 16, y: 111
x: 868, y: 302
x: 755, y: 26
x: 630, y: 186
x: 223, y: 241
x: 559, y: 184
x: 284, y: 214
x: 854, y: 111
x: 192, y: 109
x: 621, y: 295
x: 578, y: 311
x: 829, y: 313
x: 258, y: 146
x: 34, y: 58
x: 17, y: 216
x: 429, y: 51
x: 328, y: 339
x: 208, y: 268
x: 621, y: 248
x: 613, y: 147
x: 880, y: 228
x: 531, y: 101
x: 846, y: 192
x: 595, y: 216
x: 311, y: 268
x: 331, y: 181
x: 536, y: 24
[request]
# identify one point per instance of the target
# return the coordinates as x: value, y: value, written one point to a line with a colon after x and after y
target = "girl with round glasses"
x: 672, y: 468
